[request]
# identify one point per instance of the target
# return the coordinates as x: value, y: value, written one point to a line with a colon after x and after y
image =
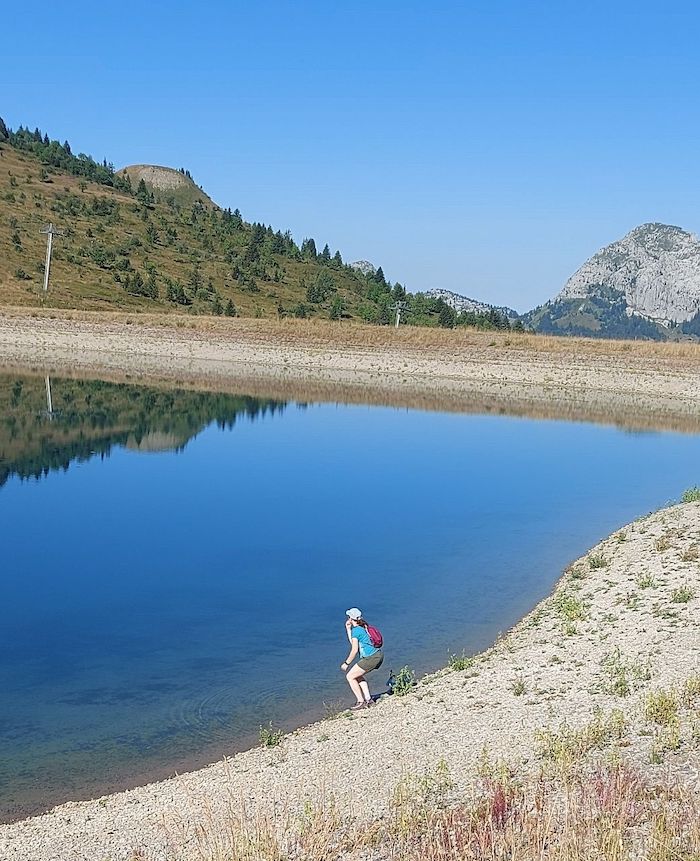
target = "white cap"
x: 354, y: 613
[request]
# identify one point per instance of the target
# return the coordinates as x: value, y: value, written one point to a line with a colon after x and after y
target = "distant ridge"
x: 464, y: 303
x: 168, y: 183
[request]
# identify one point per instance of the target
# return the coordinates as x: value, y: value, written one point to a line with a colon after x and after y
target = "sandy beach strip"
x: 635, y: 384
x: 629, y: 607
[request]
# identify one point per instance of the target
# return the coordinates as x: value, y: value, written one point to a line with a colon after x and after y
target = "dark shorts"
x: 373, y: 662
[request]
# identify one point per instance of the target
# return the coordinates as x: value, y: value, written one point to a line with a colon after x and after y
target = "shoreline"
x: 629, y: 384
x: 616, y: 600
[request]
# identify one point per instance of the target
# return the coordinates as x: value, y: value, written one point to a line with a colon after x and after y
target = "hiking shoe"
x: 358, y: 706
x: 369, y: 703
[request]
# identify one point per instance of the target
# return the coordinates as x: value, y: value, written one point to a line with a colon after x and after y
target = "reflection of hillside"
x: 92, y: 416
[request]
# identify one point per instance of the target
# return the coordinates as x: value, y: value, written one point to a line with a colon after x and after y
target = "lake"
x: 176, y: 564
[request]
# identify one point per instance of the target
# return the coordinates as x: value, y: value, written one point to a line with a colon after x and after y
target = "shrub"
x: 460, y: 662
x: 646, y: 581
x: 682, y: 595
x: 691, y: 495
x: 404, y: 681
x: 661, y: 707
x: 269, y: 736
x: 569, y: 607
x: 518, y: 686
x: 597, y: 561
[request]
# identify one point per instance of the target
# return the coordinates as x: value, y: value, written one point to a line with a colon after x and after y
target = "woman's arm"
x: 353, y: 652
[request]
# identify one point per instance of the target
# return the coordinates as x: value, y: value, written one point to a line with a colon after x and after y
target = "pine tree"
x: 326, y: 253
x: 379, y: 276
x: 308, y: 249
x: 230, y: 309
x: 4, y: 133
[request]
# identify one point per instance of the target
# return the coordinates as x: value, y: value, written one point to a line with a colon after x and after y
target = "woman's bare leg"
x: 355, y: 677
x: 365, y: 689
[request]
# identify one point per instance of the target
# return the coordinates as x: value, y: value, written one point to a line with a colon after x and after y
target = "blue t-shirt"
x: 366, y: 648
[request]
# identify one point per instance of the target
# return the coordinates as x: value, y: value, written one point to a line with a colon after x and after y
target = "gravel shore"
x: 626, y: 612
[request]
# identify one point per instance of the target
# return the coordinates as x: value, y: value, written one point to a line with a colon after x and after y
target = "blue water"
x: 158, y: 607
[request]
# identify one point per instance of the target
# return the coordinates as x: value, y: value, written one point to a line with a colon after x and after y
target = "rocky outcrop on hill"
x: 464, y: 303
x: 167, y: 182
x: 364, y: 266
x: 646, y: 284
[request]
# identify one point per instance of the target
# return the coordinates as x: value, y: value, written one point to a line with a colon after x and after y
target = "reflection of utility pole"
x: 51, y: 231
x: 49, y: 399
x: 399, y: 307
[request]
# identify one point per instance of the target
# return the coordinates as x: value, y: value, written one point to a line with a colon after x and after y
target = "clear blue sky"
x: 485, y: 147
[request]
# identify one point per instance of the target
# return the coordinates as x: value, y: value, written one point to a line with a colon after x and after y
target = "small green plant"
x: 632, y: 601
x: 621, y: 537
x: 404, y: 681
x: 597, y: 561
x: 269, y: 736
x: 518, y: 686
x: 682, y: 595
x: 661, y: 707
x: 569, y: 607
x: 646, y: 581
x: 623, y: 676
x: 692, y: 494
x: 461, y: 662
x: 691, y: 691
x: 662, y: 543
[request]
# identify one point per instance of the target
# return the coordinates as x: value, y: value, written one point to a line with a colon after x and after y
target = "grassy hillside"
x: 126, y: 247
x: 148, y: 238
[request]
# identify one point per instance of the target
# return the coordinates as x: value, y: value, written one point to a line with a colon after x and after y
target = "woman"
x: 370, y: 658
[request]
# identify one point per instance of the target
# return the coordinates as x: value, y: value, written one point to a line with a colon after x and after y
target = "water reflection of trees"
x: 86, y: 418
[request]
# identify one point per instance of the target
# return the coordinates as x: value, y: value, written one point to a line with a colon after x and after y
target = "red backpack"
x: 375, y: 636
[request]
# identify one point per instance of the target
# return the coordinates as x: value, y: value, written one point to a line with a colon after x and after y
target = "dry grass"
x: 322, y: 333
x: 598, y: 812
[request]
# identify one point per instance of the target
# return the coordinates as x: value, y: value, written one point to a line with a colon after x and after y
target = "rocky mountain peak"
x: 654, y: 269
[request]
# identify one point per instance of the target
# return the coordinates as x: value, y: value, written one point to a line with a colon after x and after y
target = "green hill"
x: 149, y: 238
x: 134, y: 245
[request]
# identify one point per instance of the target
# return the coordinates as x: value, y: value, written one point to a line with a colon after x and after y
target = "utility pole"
x: 51, y: 231
x: 399, y: 307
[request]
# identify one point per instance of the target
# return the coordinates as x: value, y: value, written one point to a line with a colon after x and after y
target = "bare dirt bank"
x: 633, y: 384
x: 622, y: 624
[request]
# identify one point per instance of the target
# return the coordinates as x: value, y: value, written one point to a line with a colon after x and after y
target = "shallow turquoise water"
x: 180, y: 574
